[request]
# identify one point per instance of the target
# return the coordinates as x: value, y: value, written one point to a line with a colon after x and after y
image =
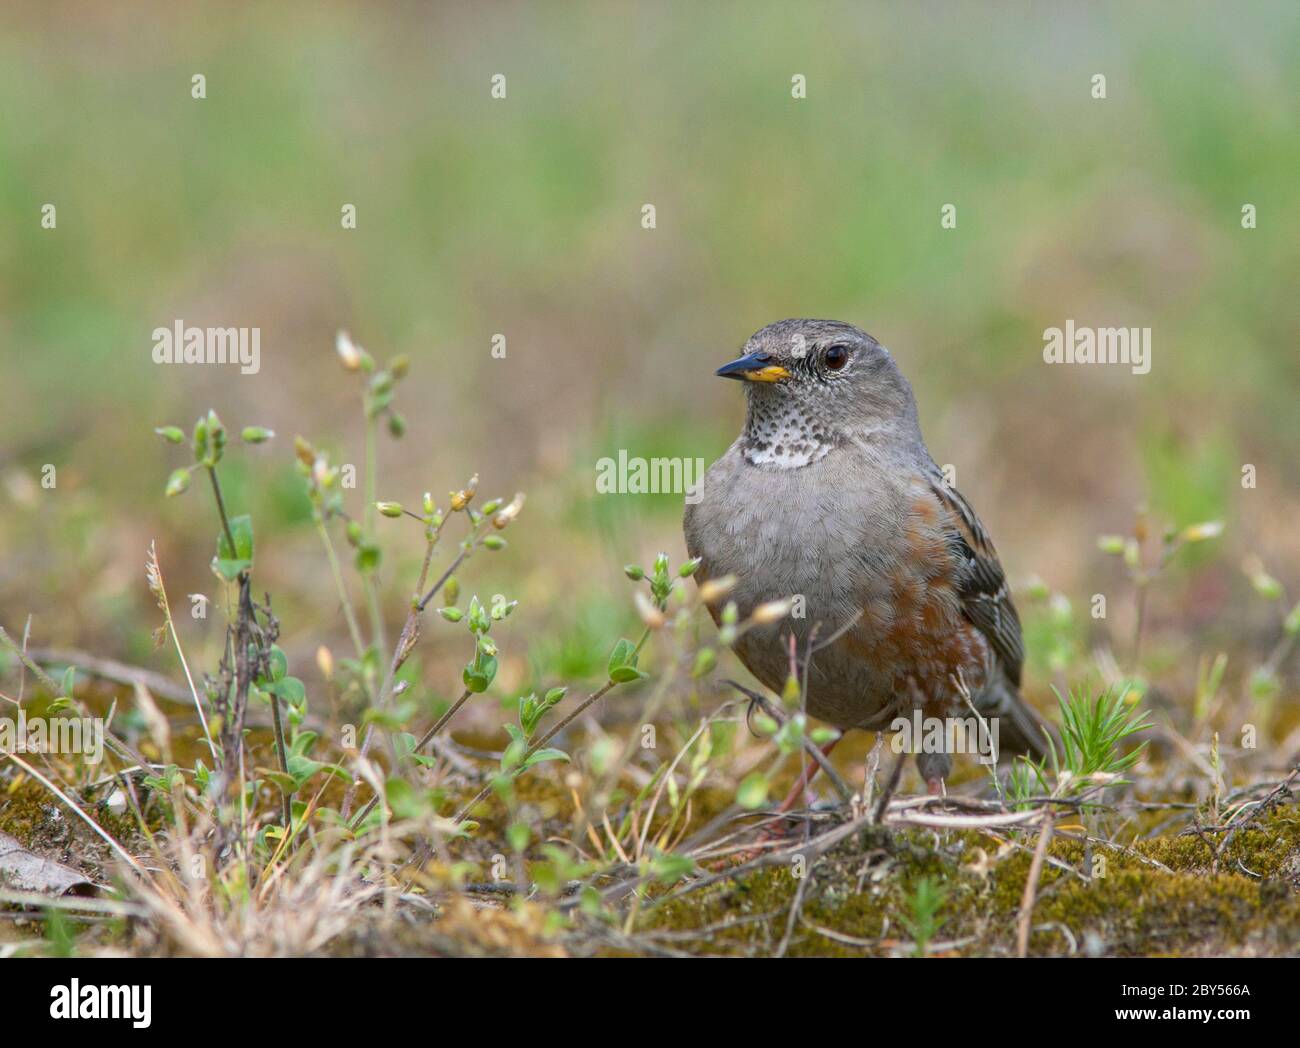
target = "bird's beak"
x: 753, y: 367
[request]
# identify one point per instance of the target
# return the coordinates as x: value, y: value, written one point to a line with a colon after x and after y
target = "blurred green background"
x: 522, y: 216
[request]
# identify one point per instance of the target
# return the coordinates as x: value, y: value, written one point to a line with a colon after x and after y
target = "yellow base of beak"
x: 771, y: 373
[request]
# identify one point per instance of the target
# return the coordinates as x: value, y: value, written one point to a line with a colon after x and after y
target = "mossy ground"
x: 1168, y: 894
x: 858, y: 898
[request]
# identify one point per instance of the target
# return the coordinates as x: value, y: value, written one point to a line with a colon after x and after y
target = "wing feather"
x: 981, y: 583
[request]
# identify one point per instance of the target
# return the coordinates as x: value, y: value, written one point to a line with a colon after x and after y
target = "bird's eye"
x: 837, y: 357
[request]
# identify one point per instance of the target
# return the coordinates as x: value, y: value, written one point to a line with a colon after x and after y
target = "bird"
x: 829, y: 500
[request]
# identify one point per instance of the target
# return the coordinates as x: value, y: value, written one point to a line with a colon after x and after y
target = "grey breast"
x: 807, y: 533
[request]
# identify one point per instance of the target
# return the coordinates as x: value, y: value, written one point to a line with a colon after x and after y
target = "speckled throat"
x: 779, y: 432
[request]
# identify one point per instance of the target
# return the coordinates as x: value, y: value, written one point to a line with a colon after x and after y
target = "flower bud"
x: 349, y: 353
x: 1210, y: 529
x: 1112, y: 544
x: 650, y: 615
x: 178, y: 482
x: 461, y: 499
x: 715, y: 589
x: 772, y: 611
x: 389, y: 509
x: 508, y: 513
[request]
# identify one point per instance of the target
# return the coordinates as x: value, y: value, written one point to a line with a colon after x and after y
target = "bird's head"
x: 828, y: 378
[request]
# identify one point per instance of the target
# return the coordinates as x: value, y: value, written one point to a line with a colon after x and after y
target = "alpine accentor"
x: 829, y: 494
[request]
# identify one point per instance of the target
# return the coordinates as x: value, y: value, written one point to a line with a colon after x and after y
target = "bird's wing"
x: 981, y: 583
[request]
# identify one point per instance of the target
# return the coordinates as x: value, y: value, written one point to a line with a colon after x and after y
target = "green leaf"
x: 669, y: 869
x: 544, y: 755
x: 624, y: 654
x: 303, y: 742
x: 405, y: 801
x: 479, y: 673
x: 626, y: 674
x: 404, y: 745
x: 518, y: 834
x: 392, y: 719
x: 285, y: 781
x: 230, y: 562
x: 303, y: 768
x: 752, y: 792
x: 278, y: 662
x: 290, y: 689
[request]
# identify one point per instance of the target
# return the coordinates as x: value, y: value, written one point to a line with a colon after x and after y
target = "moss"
x: 861, y: 891
x: 39, y: 821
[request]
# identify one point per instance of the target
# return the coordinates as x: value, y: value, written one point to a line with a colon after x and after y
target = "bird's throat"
x: 779, y: 433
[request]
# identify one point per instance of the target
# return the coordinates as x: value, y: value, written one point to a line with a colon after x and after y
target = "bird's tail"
x: 1020, y: 728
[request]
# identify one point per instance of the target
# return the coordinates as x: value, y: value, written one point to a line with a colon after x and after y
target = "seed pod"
x: 508, y: 513
x: 772, y: 611
x: 715, y: 589
x: 349, y: 353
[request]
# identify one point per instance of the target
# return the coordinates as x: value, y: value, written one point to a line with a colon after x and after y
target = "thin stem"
x: 354, y: 628
x: 156, y: 570
x: 221, y: 509
x: 286, y: 806
x: 1141, y: 621
x: 372, y: 481
x: 442, y: 581
x: 581, y: 708
x: 405, y: 641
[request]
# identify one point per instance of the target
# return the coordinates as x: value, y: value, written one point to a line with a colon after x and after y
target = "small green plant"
x: 253, y: 666
x: 922, y: 922
x: 1092, y: 729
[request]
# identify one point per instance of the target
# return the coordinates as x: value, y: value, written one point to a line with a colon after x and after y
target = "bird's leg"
x: 805, y: 777
x: 934, y: 769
